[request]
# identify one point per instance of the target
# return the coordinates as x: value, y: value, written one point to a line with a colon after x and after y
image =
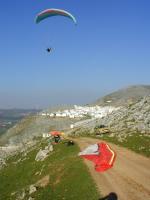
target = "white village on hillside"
x: 83, y: 111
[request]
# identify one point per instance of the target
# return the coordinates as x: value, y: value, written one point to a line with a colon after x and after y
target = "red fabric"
x: 104, y: 160
x: 55, y: 133
x: 93, y: 158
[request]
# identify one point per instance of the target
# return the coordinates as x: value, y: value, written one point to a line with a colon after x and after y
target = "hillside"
x: 124, y: 96
x: 132, y: 117
x: 60, y: 174
x: 22, y: 148
x: 10, y: 117
x: 32, y: 126
x: 135, y: 117
x: 128, y: 126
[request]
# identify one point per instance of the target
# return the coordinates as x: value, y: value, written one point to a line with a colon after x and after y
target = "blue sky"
x: 107, y: 50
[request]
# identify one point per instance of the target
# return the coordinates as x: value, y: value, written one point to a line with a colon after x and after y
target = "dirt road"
x: 129, y: 178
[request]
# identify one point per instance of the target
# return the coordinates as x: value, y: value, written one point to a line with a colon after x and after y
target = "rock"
x: 41, y: 155
x: 32, y: 189
x: 43, y: 182
x: 30, y: 198
x: 21, y: 195
x: 19, y: 160
x: 2, y: 163
x: 147, y: 120
x: 25, y: 154
x: 143, y: 131
x: 13, y: 193
x: 50, y: 147
x: 37, y: 173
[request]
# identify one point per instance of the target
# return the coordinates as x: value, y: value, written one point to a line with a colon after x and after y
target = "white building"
x: 82, y: 111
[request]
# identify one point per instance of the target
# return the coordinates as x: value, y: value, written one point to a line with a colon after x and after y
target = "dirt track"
x: 129, y: 178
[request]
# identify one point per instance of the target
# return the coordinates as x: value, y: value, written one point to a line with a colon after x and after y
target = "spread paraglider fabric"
x: 101, y: 154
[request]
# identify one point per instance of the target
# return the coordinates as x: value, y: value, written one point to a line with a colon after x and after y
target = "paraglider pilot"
x: 48, y: 50
x: 57, y: 138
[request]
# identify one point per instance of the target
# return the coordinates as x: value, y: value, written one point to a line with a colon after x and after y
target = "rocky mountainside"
x: 133, y: 116
x: 27, y: 132
x: 131, y: 119
x: 34, y: 126
x: 124, y: 96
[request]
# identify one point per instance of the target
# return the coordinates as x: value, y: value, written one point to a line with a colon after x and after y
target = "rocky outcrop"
x: 33, y: 127
x: 134, y: 118
x: 42, y: 154
x: 125, y: 96
x: 2, y: 163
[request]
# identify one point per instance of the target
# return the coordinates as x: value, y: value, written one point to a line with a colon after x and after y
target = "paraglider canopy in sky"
x: 54, y: 12
x: 101, y: 154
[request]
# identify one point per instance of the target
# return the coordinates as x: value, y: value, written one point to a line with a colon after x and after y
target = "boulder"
x: 32, y: 189
x: 42, y: 154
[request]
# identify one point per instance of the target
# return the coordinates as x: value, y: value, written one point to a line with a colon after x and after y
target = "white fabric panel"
x: 92, y: 149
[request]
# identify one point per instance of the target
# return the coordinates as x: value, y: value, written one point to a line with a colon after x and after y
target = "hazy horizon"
x: 107, y: 50
x: 75, y: 101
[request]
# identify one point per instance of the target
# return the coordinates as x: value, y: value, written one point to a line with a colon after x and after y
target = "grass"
x: 69, y: 178
x: 136, y: 142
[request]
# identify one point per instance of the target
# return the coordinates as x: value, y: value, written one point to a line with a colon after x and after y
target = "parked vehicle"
x: 101, y: 129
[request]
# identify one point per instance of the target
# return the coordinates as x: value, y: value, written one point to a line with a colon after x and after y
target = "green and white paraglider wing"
x: 54, y: 12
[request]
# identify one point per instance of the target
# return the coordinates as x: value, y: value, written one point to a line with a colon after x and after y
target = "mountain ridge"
x: 124, y: 96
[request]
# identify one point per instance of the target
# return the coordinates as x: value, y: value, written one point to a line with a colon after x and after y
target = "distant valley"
x: 10, y: 117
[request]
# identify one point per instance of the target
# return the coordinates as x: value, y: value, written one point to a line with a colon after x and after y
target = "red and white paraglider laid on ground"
x: 101, y: 154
